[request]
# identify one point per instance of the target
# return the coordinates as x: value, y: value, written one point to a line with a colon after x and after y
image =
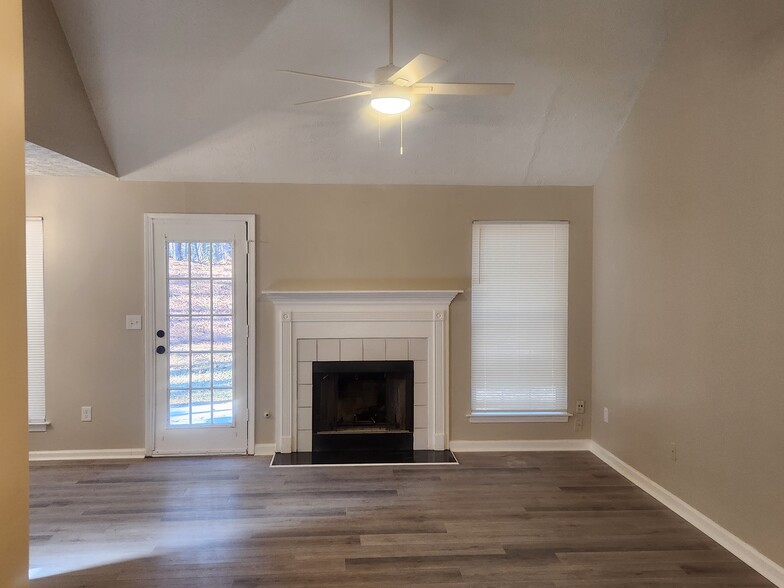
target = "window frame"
x: 36, y: 355
x: 558, y: 414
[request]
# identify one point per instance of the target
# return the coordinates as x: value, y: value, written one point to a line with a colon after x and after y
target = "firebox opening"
x: 363, y: 405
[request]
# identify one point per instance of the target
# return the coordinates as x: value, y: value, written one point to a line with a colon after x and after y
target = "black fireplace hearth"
x: 363, y: 406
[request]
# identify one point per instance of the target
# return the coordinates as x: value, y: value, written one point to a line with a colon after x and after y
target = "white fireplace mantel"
x: 390, y: 314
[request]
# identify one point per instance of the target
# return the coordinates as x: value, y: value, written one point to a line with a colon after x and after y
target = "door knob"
x: 160, y: 350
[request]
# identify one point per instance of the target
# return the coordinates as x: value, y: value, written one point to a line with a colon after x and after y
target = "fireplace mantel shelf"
x: 361, y: 296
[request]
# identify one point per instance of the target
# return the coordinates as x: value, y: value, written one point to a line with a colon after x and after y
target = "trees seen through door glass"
x: 200, y: 309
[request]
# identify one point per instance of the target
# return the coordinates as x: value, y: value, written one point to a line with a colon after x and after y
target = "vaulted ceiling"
x: 188, y: 89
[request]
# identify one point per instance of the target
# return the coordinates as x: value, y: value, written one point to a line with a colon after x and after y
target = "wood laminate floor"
x: 549, y: 519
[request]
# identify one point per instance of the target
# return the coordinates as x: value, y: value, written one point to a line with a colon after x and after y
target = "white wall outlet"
x: 580, y: 408
x: 133, y: 322
x: 87, y: 414
x: 606, y: 415
x: 673, y: 452
x: 578, y: 424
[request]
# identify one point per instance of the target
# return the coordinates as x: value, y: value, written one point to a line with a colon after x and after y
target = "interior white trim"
x: 149, y: 332
x: 265, y: 449
x: 38, y: 427
x: 78, y: 454
x: 251, y: 375
x: 148, y: 336
x: 361, y: 314
x: 521, y: 445
x: 745, y: 552
x: 295, y: 297
x: 521, y: 417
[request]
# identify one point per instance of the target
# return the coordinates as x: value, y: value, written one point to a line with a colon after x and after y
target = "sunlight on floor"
x: 83, y: 556
x: 55, y: 560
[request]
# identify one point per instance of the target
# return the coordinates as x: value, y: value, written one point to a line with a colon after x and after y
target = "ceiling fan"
x: 394, y: 87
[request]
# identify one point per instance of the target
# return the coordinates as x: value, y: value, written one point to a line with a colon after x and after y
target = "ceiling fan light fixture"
x: 390, y: 104
x: 390, y: 99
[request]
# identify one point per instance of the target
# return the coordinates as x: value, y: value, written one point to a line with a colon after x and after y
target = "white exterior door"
x: 200, y: 325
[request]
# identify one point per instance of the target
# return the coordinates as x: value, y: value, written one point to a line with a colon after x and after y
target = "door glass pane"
x: 222, y: 260
x: 201, y: 334
x: 201, y: 372
x: 179, y: 294
x: 221, y: 296
x: 200, y: 296
x: 222, y: 406
x: 201, y: 331
x: 221, y: 370
x: 200, y: 260
x: 178, y: 254
x: 179, y: 402
x: 179, y: 370
x: 221, y: 333
x: 179, y: 333
x: 201, y: 402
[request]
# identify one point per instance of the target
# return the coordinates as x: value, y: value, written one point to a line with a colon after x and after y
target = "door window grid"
x: 200, y: 309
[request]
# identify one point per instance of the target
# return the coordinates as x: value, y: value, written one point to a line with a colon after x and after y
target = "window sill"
x: 518, y: 417
x: 38, y: 427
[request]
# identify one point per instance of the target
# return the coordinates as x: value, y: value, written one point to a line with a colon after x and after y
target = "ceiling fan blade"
x: 465, y: 89
x: 421, y: 66
x: 344, y: 80
x: 365, y: 93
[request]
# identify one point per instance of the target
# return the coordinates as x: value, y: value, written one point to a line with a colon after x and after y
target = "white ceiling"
x: 188, y: 89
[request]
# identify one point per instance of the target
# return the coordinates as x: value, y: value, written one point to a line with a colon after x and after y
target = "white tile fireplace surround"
x: 361, y: 326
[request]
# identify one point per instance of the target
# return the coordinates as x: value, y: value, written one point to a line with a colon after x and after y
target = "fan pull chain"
x: 378, y: 121
x: 401, y: 133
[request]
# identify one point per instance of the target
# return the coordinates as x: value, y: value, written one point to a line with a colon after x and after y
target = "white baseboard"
x: 522, y: 445
x: 265, y: 449
x: 70, y: 454
x: 742, y: 550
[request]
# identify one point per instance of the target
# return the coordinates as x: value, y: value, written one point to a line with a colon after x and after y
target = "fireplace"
x: 363, y: 405
x: 316, y: 326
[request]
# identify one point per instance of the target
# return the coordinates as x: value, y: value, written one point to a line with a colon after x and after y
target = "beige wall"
x: 689, y: 273
x: 309, y: 237
x: 58, y: 112
x: 13, y: 351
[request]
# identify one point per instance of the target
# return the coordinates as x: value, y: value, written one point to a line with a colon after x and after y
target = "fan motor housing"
x: 384, y: 73
x: 390, y: 90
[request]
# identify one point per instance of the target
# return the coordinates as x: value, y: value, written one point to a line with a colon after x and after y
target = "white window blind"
x: 35, y: 321
x: 519, y: 311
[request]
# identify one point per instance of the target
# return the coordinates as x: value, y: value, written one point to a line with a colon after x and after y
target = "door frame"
x: 148, y: 326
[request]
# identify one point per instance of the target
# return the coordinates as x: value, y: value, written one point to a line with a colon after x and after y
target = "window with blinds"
x: 519, y: 301
x: 35, y: 324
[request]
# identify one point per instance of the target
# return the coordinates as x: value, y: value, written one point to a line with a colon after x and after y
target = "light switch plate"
x: 133, y: 322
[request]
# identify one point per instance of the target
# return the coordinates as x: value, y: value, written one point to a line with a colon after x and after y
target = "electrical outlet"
x: 87, y: 414
x: 606, y: 415
x: 580, y: 409
x: 673, y: 452
x: 133, y: 322
x: 578, y: 424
